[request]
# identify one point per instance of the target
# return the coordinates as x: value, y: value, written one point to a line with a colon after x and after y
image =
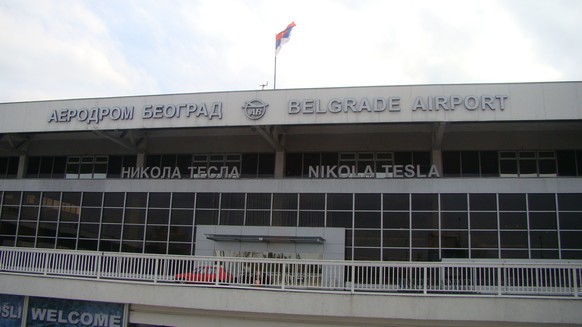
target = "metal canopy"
x: 265, y: 238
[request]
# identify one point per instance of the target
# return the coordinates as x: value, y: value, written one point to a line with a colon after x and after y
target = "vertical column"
x: 279, y: 164
x: 22, y: 163
x: 140, y: 161
x: 437, y: 141
x: 437, y: 160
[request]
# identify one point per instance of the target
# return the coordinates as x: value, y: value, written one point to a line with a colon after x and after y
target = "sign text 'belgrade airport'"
x: 255, y: 109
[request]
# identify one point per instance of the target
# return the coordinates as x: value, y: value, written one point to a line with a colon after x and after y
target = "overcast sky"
x: 98, y: 48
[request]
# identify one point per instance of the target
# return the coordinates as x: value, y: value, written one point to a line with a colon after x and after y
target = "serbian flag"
x: 283, y: 37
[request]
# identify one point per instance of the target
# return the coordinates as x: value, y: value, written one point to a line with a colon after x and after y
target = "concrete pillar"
x: 140, y: 161
x: 437, y: 160
x: 22, y: 163
x: 279, y: 164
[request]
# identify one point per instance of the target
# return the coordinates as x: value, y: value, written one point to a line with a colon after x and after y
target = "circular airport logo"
x: 255, y: 109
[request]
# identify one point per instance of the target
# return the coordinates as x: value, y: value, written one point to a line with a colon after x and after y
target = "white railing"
x: 537, y: 279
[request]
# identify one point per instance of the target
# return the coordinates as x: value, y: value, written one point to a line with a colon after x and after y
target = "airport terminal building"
x: 416, y: 174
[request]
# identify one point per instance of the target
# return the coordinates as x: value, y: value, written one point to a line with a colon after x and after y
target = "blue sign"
x: 11, y: 308
x: 72, y: 313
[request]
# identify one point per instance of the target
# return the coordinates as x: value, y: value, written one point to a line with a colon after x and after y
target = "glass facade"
x: 546, y: 163
x: 386, y: 227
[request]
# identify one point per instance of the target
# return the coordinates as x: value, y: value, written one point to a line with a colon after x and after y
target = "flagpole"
x: 275, y: 72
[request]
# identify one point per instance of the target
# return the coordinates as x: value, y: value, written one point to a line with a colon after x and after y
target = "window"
x: 360, y: 164
x: 86, y: 167
x: 377, y: 226
x: 8, y: 167
x: 527, y: 163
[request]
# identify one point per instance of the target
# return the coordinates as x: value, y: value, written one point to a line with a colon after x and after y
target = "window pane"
x: 135, y: 199
x: 158, y: 216
x: 542, y: 220
x: 425, y: 220
x: 311, y: 201
x: 482, y: 202
x: 339, y: 219
x: 293, y: 165
x: 547, y: 167
x: 425, y: 239
x: 91, y: 215
x: 159, y: 200
x: 396, y: 238
x: 258, y: 201
x: 454, y: 220
x: 311, y: 218
x: 88, y: 230
x: 513, y: 220
x: 451, y: 163
x: 566, y: 163
x: 207, y: 200
x: 489, y: 163
x: 367, y: 219
x: 180, y: 234
x: 541, y: 202
x: 133, y: 232
x: 527, y: 167
x: 232, y: 217
x: 206, y: 217
x: 512, y: 202
x: 183, y: 200
x: 570, y: 239
x: 114, y: 199
x: 339, y: 201
x: 571, y: 220
x: 112, y: 215
x: 232, y: 201
x: 285, y: 201
x: 396, y: 202
x: 367, y: 201
x: 284, y: 218
x: 424, y: 202
x: 182, y: 217
x: 470, y: 163
x: 11, y: 198
x: 135, y: 216
x: 425, y: 255
x: 544, y: 240
x: 92, y: 199
x: 367, y: 237
x: 49, y: 214
x: 367, y: 254
x: 157, y: 233
x: 457, y: 239
x: 508, y: 167
x: 454, y: 202
x: 258, y: 218
x: 71, y: 199
x: 483, y: 239
x: 111, y: 231
x: 570, y: 202
x: 266, y: 164
x: 484, y: 254
x: 396, y: 219
x: 47, y: 229
x: 483, y: 220
x: 29, y: 198
x: 511, y: 239
x: 395, y: 255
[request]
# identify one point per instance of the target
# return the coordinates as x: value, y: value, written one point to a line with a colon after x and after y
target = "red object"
x: 206, y: 274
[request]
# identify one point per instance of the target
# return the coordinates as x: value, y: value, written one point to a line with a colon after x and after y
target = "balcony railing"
x: 531, y: 279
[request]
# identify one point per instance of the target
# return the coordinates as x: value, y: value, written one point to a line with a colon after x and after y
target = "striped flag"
x: 283, y: 37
